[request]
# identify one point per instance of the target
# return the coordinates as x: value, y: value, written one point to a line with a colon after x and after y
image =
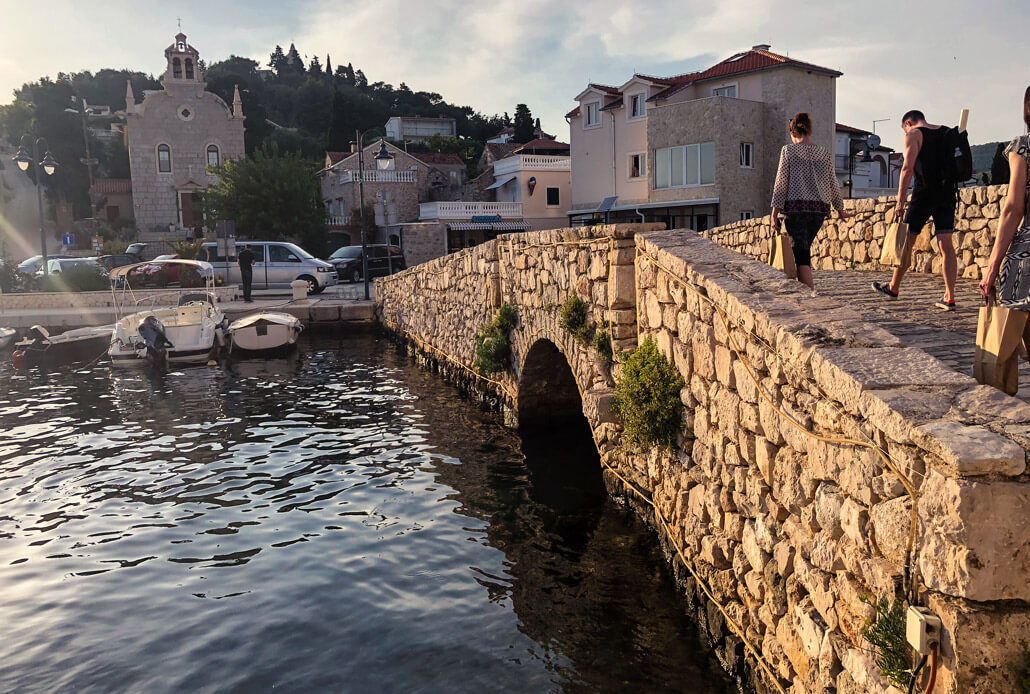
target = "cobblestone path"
x: 948, y: 335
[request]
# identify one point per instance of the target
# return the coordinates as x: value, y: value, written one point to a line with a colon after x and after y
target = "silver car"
x: 276, y: 264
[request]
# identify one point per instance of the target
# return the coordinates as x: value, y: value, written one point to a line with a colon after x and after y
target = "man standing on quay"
x: 246, y: 260
x: 926, y: 157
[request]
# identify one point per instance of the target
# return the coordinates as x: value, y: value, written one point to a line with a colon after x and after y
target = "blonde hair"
x: 801, y: 124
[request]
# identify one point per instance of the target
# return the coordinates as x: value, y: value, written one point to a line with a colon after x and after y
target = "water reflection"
x: 336, y: 519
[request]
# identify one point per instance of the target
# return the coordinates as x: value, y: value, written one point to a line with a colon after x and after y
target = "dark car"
x: 119, y: 259
x: 382, y: 260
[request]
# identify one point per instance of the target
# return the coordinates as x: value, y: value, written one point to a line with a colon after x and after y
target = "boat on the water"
x: 266, y: 331
x: 6, y: 337
x: 188, y: 333
x: 80, y: 344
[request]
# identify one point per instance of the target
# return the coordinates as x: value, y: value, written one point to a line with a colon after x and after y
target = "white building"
x: 418, y: 129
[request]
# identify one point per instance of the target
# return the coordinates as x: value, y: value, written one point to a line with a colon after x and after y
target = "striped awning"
x: 494, y: 226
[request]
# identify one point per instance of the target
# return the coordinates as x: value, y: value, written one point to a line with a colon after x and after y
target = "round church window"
x: 185, y: 113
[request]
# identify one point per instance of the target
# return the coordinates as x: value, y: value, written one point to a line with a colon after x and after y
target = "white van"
x: 276, y: 264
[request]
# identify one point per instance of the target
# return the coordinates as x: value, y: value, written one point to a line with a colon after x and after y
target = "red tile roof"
x: 108, y: 186
x: 841, y: 128
x: 614, y: 91
x: 337, y: 156
x: 499, y: 150
x: 439, y: 158
x: 573, y: 113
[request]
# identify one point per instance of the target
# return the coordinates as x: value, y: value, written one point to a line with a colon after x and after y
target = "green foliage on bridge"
x: 493, y: 342
x: 647, y: 396
x: 886, y: 631
x: 574, y: 319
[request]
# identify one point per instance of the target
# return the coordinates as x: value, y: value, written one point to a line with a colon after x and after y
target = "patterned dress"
x: 1014, y: 277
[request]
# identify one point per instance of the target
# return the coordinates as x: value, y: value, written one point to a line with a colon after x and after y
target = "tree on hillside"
x: 315, y: 68
x: 271, y: 197
x: 523, y: 124
x: 328, y: 66
x: 1000, y: 166
x: 277, y: 60
x: 224, y: 77
x: 338, y: 136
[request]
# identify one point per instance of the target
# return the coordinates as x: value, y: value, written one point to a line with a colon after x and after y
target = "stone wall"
x: 787, y: 528
x: 76, y: 300
x: 856, y: 243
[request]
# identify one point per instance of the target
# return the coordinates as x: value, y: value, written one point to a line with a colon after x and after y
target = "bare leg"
x: 805, y: 276
x: 950, y: 265
x: 899, y: 271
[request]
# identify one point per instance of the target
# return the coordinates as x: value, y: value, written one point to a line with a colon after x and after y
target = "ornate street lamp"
x: 47, y: 165
x: 384, y: 162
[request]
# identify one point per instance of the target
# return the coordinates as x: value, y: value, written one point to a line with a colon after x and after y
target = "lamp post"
x: 47, y: 165
x: 88, y: 160
x: 383, y: 162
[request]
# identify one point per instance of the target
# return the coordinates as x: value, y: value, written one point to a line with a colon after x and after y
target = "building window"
x: 746, y: 214
x: 593, y: 114
x: 189, y: 68
x: 212, y: 155
x: 637, y: 165
x: 689, y: 165
x: 637, y: 106
x: 729, y: 90
x: 747, y: 151
x: 176, y: 68
x: 164, y: 159
x: 553, y: 197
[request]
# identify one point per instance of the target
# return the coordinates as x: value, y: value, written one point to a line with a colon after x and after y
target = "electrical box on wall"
x: 922, y: 630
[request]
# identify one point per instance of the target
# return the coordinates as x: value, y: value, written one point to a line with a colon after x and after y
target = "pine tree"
x: 336, y: 138
x: 315, y: 68
x: 328, y: 66
x: 359, y: 79
x: 523, y: 124
x: 277, y: 59
x: 350, y: 74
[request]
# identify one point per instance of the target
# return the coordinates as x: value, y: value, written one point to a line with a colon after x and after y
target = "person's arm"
x: 913, y: 141
x: 1011, y: 215
x: 779, y: 198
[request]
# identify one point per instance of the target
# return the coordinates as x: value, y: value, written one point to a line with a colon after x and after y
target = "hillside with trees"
x: 297, y: 107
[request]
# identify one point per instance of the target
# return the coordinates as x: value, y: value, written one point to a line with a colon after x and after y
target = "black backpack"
x: 957, y: 159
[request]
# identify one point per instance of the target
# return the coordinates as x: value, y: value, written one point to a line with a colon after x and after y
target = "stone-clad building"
x: 174, y: 135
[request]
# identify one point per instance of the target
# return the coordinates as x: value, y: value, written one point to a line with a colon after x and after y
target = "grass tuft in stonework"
x: 574, y: 319
x: 886, y: 632
x: 647, y: 396
x: 493, y: 342
x: 603, y: 341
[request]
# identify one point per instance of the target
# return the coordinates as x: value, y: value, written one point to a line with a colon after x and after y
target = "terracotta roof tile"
x: 337, y: 156
x: 573, y: 113
x: 107, y: 186
x: 542, y: 144
x: 499, y: 150
x: 841, y: 128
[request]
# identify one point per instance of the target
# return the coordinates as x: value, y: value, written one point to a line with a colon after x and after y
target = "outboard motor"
x: 157, y: 343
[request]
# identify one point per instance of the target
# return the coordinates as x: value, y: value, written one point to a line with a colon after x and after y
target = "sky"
x: 895, y: 55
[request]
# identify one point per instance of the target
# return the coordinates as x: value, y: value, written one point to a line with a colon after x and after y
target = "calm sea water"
x: 337, y: 520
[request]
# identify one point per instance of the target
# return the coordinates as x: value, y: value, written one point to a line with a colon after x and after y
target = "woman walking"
x: 1010, y: 259
x: 806, y: 187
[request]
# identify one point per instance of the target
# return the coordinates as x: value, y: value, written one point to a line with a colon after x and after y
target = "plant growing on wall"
x: 886, y: 632
x: 647, y: 396
x: 573, y: 318
x: 493, y: 341
x: 603, y: 341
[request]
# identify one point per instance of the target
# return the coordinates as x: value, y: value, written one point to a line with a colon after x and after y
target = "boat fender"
x: 19, y: 358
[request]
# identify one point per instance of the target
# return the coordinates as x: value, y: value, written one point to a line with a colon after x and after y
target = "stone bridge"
x: 810, y: 433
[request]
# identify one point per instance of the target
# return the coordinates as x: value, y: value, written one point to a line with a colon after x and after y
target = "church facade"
x: 174, y: 135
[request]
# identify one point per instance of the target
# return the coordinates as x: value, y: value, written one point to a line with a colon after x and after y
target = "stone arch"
x: 548, y: 393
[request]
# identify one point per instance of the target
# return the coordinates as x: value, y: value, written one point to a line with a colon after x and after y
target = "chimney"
x: 761, y: 47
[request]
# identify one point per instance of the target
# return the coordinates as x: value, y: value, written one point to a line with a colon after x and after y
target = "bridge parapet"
x: 810, y: 428
x: 856, y: 243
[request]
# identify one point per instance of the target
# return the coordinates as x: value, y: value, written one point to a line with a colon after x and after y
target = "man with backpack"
x: 938, y: 159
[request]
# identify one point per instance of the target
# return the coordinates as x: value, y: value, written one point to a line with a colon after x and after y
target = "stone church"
x: 174, y: 135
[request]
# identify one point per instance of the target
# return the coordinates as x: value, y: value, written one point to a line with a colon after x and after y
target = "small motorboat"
x: 80, y: 344
x: 266, y: 331
x: 6, y: 337
x: 188, y: 333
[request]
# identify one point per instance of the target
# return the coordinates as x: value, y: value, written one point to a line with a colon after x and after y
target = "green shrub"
x: 886, y: 632
x: 573, y: 319
x: 603, y: 341
x: 493, y: 344
x: 647, y: 396
x: 83, y: 278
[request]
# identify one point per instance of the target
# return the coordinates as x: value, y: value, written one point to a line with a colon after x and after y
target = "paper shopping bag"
x: 894, y: 252
x: 781, y: 256
x: 999, y: 333
x: 924, y: 242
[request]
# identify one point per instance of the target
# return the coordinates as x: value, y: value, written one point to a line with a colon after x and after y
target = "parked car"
x: 119, y: 259
x: 136, y: 249
x: 56, y: 266
x: 31, y: 266
x: 382, y: 260
x: 276, y: 264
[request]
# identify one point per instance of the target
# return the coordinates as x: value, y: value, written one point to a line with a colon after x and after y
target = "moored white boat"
x: 80, y: 344
x: 264, y: 331
x: 6, y: 336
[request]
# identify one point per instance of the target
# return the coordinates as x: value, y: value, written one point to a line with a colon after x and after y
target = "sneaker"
x: 884, y: 288
x: 945, y: 305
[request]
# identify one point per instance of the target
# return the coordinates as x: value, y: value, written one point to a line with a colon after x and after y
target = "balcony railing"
x: 535, y: 162
x: 339, y: 220
x: 468, y: 210
x: 376, y: 176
